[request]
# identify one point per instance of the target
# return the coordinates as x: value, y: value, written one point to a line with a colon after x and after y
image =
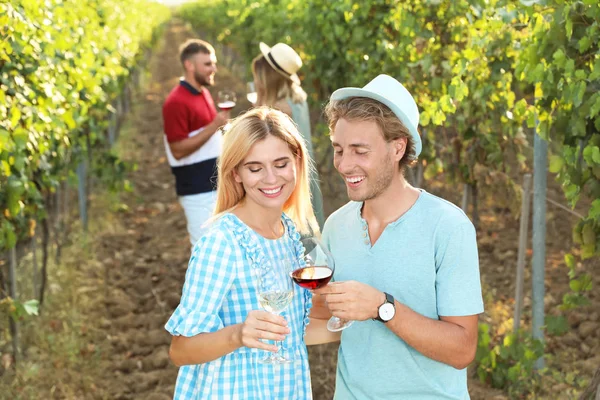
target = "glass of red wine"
x: 316, y: 272
x: 226, y: 99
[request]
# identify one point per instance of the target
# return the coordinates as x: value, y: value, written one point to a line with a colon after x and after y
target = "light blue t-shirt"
x: 427, y: 260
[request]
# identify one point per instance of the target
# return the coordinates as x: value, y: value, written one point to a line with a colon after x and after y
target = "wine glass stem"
x: 278, y: 343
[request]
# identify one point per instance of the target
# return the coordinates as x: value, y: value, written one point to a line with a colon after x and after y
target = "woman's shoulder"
x: 222, y: 229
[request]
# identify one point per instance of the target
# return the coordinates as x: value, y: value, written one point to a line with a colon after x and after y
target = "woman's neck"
x: 264, y: 221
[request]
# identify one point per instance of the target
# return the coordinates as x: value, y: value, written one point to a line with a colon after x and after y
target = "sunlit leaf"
x: 15, y: 115
x: 556, y: 163
x: 31, y: 307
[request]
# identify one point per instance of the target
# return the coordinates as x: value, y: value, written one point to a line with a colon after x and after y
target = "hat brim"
x: 344, y: 93
x: 265, y: 49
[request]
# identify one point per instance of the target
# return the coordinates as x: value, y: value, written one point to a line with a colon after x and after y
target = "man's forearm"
x: 439, y: 340
x: 185, y: 147
x: 453, y: 340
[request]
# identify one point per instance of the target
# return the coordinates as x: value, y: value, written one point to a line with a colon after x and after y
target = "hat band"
x: 277, y: 65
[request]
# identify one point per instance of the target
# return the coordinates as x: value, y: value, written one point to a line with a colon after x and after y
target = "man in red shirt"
x: 192, y: 136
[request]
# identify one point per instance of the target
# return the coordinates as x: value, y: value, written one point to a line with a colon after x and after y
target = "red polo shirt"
x: 186, y: 110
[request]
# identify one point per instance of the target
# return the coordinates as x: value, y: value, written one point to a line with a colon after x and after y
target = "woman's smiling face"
x: 268, y: 173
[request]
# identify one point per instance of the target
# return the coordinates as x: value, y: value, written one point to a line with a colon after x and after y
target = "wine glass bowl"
x: 312, y: 277
x: 316, y: 272
x: 226, y: 99
x: 318, y: 266
x: 251, y: 94
x: 275, y: 293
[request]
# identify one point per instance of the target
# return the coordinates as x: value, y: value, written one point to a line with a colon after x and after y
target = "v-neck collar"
x: 365, y: 226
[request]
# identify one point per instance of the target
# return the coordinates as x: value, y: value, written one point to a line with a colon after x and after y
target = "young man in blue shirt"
x: 407, y: 269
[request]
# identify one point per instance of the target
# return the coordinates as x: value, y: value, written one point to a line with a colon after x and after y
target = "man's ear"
x: 399, y: 146
x: 187, y: 65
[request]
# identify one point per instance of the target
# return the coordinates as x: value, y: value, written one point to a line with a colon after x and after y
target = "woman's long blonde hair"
x: 245, y: 131
x: 271, y: 86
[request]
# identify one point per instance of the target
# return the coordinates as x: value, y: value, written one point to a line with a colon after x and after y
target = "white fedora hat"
x: 283, y: 59
x: 390, y: 92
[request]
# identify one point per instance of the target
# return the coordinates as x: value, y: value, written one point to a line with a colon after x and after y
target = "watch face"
x: 387, y: 311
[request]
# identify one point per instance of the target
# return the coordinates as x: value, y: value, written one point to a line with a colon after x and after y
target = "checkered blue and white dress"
x: 220, y: 290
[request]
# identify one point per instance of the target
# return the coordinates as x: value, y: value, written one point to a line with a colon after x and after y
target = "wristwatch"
x: 387, y: 310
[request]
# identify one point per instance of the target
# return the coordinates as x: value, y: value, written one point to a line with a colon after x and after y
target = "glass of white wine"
x: 251, y: 94
x: 275, y: 293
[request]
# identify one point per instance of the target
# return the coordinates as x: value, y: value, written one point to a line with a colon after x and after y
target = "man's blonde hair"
x: 366, y: 109
x: 245, y: 131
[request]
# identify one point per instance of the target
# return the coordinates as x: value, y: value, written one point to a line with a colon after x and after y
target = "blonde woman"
x: 278, y: 86
x: 263, y: 205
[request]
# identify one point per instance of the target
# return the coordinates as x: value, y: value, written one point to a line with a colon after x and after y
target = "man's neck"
x: 390, y: 205
x: 192, y: 82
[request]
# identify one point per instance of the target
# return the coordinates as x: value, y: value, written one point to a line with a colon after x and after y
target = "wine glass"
x: 275, y: 293
x: 226, y: 99
x: 251, y: 95
x: 316, y: 272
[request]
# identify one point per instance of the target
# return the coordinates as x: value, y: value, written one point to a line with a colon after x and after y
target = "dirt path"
x: 146, y: 256
x: 146, y: 262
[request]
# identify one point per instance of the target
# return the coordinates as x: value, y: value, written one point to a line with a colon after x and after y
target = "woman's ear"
x: 236, y: 176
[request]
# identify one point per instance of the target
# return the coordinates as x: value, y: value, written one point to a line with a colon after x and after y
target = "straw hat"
x: 283, y: 59
x: 393, y: 94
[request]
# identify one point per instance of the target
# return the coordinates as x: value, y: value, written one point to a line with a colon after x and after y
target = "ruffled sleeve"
x: 209, y: 277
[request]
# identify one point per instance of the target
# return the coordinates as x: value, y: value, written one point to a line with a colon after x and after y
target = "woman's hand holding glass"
x: 262, y: 325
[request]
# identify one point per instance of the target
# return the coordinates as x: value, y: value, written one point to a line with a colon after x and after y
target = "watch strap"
x: 388, y: 299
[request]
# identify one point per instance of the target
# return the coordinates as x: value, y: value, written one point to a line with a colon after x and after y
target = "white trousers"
x: 198, y: 209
